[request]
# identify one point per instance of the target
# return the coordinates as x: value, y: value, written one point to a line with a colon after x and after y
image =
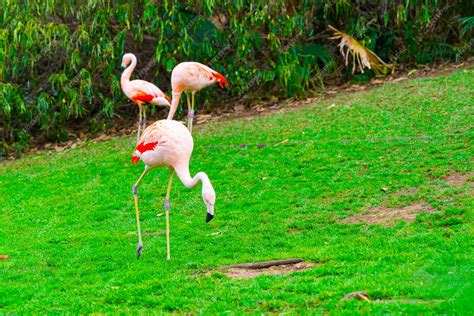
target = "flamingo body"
x: 140, y: 91
x: 164, y: 143
x: 191, y: 77
x: 168, y: 143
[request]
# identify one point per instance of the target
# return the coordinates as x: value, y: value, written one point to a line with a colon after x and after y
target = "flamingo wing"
x: 146, y: 91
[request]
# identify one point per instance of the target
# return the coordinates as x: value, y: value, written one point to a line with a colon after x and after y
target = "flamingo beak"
x: 209, y: 217
x: 135, y: 159
x: 168, y: 98
x: 210, y: 211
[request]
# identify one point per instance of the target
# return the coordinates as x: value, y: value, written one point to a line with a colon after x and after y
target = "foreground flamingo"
x: 140, y: 91
x: 168, y: 143
x: 191, y: 77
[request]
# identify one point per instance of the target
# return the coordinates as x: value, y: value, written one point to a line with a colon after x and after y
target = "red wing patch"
x: 142, y: 96
x: 142, y: 147
x: 221, y: 79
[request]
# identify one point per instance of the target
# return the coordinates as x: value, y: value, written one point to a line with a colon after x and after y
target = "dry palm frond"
x: 362, y: 57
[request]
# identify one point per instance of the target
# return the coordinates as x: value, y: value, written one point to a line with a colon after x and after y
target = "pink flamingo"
x: 191, y: 77
x: 140, y: 91
x: 168, y: 143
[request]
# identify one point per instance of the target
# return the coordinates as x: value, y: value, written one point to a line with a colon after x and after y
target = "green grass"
x: 68, y: 224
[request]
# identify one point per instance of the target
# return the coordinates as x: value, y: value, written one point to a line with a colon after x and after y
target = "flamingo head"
x: 127, y: 59
x: 221, y: 80
x: 209, y: 197
x: 136, y: 156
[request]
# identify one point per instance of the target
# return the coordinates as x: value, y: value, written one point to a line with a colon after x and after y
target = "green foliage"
x: 68, y: 218
x: 60, y: 59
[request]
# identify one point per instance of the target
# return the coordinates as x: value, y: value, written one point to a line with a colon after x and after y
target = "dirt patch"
x: 457, y: 179
x: 389, y: 216
x: 253, y: 270
x: 411, y: 191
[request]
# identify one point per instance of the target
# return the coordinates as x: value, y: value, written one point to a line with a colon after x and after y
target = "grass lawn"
x: 68, y: 223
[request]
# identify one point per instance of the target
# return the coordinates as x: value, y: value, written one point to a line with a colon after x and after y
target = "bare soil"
x: 389, y: 216
x: 247, y: 273
x: 457, y: 179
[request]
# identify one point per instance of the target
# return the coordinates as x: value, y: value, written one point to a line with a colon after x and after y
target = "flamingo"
x: 140, y: 91
x: 168, y: 143
x: 191, y: 77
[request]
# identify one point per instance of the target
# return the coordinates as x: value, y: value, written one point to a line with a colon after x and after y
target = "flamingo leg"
x: 140, y: 123
x: 191, y: 113
x: 137, y: 214
x: 144, y: 118
x: 167, y: 211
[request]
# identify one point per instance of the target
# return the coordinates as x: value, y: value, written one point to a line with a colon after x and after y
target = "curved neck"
x: 128, y: 72
x: 183, y: 173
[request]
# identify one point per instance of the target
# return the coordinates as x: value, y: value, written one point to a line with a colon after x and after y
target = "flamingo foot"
x: 139, y: 249
x: 209, y: 217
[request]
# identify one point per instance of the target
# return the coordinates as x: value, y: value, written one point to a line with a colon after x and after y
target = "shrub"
x: 60, y: 60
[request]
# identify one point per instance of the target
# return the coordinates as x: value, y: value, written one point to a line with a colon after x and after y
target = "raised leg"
x: 137, y: 214
x: 167, y: 212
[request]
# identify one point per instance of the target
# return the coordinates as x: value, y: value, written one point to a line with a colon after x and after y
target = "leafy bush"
x: 60, y: 60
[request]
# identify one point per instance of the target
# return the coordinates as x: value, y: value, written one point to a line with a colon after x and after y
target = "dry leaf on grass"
x: 361, y: 295
x: 202, y: 118
x: 282, y: 142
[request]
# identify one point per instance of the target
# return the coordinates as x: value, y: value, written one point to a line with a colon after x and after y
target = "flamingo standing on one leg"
x: 191, y: 77
x: 168, y: 143
x: 140, y: 91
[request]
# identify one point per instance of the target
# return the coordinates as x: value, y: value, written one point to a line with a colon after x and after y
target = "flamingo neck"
x: 128, y: 71
x: 183, y: 173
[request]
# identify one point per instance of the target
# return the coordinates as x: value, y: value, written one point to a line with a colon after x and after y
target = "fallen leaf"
x: 400, y: 79
x: 202, y: 118
x: 411, y: 72
x: 4, y: 257
x: 115, y: 287
x: 215, y: 234
x: 384, y: 189
x: 159, y: 215
x: 376, y: 81
x: 239, y: 108
x: 331, y: 106
x: 282, y: 142
x: 361, y: 295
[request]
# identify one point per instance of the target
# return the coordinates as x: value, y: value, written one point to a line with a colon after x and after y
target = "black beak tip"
x: 209, y: 217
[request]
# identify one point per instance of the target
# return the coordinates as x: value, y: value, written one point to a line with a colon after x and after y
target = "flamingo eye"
x: 210, y: 78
